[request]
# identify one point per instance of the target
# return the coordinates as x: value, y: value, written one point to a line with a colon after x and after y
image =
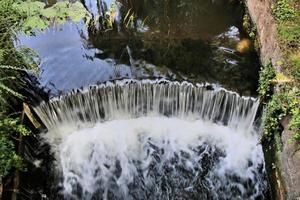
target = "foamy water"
x: 155, y: 141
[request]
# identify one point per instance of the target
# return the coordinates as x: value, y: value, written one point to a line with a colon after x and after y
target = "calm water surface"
x: 180, y: 40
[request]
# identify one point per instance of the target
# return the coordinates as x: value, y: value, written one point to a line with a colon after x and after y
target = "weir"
x: 133, y: 98
x: 155, y: 139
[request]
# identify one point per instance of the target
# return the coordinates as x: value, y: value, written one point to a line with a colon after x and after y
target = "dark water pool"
x: 181, y: 40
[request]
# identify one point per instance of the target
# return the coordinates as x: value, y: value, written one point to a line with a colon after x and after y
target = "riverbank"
x: 281, y: 50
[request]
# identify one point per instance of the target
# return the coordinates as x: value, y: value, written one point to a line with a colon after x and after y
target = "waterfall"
x: 155, y: 139
x: 130, y: 98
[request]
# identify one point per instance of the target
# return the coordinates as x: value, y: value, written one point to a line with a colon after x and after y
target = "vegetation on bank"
x: 12, y: 69
x: 38, y: 16
x: 26, y: 16
x: 286, y: 100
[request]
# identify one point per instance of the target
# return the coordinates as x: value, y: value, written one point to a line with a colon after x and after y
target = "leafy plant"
x: 290, y: 34
x: 285, y: 102
x: 248, y: 26
x: 12, y: 69
x: 294, y: 104
x: 8, y: 158
x: 39, y: 17
x: 295, y: 123
x: 273, y: 114
x: 282, y: 10
x: 267, y: 74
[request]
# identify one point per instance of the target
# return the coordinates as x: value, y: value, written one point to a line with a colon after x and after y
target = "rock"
x: 290, y: 163
x: 288, y: 159
x: 261, y: 14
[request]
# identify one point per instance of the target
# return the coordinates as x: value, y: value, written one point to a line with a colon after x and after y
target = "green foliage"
x: 13, y: 65
x: 289, y: 34
x: 9, y: 126
x: 267, y: 74
x: 295, y: 66
x: 13, y: 62
x: 283, y: 11
x: 248, y: 26
x: 273, y: 114
x: 295, y: 124
x: 8, y: 158
x: 40, y: 17
x: 294, y: 103
x: 285, y: 102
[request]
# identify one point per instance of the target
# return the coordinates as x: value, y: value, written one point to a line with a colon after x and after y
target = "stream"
x: 147, y: 100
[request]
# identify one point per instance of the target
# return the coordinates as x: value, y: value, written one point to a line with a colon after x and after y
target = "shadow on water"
x: 179, y: 40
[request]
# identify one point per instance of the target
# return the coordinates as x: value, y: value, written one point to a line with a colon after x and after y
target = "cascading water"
x: 155, y: 140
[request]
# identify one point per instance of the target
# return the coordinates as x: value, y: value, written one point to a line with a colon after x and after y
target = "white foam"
x: 83, y: 152
x: 155, y: 140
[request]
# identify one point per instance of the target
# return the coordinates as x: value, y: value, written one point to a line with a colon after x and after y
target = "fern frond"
x: 5, y: 89
x: 12, y: 68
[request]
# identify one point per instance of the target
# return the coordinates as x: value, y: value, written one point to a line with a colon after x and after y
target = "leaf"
x: 12, y: 68
x: 34, y: 22
x: 8, y: 78
x: 9, y: 91
x: 30, y: 8
x: 39, y: 17
x: 77, y: 12
x: 49, y: 12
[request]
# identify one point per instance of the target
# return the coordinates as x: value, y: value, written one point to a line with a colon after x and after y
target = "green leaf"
x: 34, y: 22
x: 39, y: 17
x: 6, y: 89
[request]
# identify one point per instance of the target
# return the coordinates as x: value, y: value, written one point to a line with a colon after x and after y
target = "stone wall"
x: 284, y: 177
x: 260, y: 12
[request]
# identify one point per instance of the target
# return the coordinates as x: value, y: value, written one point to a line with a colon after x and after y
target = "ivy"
x: 274, y: 112
x: 267, y: 74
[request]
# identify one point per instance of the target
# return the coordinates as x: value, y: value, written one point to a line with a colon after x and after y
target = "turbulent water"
x: 155, y: 140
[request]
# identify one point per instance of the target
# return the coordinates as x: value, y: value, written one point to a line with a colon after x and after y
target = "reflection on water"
x: 176, y: 39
